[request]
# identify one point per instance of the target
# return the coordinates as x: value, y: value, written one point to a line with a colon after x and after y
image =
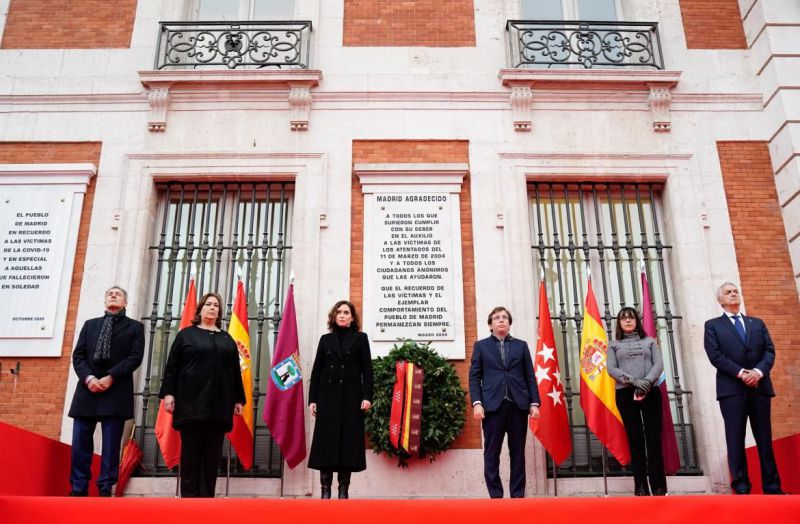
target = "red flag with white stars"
x: 552, y: 427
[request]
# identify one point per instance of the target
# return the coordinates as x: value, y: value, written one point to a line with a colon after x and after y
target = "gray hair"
x: 124, y: 293
x: 719, y: 289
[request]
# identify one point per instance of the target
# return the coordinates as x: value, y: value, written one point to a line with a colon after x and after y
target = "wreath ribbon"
x: 405, y: 419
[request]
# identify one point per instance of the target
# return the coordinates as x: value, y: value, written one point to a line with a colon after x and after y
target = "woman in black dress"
x: 339, y: 392
x: 202, y: 388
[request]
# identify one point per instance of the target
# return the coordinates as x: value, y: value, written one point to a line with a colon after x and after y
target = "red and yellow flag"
x: 552, y: 427
x: 241, y: 436
x: 598, y: 396
x: 169, y: 440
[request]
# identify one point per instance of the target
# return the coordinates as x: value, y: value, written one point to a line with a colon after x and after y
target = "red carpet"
x: 684, y: 510
x: 787, y: 455
x: 31, y: 464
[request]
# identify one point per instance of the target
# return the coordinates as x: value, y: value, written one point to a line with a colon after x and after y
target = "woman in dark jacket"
x: 634, y: 361
x: 339, y: 392
x: 202, y: 388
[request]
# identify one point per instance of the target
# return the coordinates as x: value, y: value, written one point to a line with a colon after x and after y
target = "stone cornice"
x: 523, y: 82
x: 162, y: 84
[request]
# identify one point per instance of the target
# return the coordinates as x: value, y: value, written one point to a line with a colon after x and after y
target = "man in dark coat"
x: 741, y: 349
x: 109, y: 350
x: 504, y: 393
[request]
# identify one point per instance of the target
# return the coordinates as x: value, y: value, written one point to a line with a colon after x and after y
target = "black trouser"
x: 736, y: 409
x: 634, y: 413
x: 201, y: 450
x: 508, y: 418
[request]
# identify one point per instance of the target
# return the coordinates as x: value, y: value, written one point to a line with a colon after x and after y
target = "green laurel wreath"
x: 443, y: 402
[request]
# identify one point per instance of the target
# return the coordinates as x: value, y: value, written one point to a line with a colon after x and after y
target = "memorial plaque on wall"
x: 413, y: 269
x: 34, y: 228
x: 40, y: 211
x: 413, y: 280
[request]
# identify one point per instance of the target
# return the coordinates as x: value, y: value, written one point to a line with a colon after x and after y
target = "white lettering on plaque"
x: 34, y: 225
x: 413, y: 267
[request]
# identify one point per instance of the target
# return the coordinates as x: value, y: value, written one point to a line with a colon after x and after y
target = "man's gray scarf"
x: 102, y: 351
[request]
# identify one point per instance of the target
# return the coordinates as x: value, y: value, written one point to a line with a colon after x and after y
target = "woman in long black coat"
x: 339, y: 392
x: 202, y: 388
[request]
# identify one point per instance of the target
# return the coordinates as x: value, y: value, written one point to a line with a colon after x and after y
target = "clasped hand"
x: 751, y: 377
x: 98, y: 385
x: 641, y: 384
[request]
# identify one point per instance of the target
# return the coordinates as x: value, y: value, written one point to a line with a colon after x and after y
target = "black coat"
x: 127, y: 350
x: 340, y: 380
x: 204, y: 376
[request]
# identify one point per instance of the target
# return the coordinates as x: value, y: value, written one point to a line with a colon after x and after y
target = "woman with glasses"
x: 634, y: 361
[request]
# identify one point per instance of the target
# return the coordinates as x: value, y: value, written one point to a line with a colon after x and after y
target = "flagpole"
x: 605, y: 476
x: 282, y: 470
x: 228, y: 473
x: 228, y: 466
x: 178, y: 483
x: 555, y: 479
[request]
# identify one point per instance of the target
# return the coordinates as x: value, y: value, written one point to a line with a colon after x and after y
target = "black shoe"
x: 659, y: 492
x: 779, y: 492
x: 75, y: 493
x: 741, y: 492
x: 642, y: 492
x: 325, y: 480
x: 344, y: 484
x: 105, y: 492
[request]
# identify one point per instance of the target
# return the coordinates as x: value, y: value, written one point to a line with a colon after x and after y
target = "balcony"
x: 589, y: 59
x: 251, y: 59
x: 546, y: 44
x: 281, y: 45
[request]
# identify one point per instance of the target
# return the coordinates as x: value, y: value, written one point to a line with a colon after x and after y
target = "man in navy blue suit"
x: 109, y: 350
x: 740, y: 348
x: 503, y: 389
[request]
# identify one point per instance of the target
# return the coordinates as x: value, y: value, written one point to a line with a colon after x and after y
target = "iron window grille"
x: 218, y: 232
x: 558, y: 43
x: 257, y: 44
x: 613, y: 228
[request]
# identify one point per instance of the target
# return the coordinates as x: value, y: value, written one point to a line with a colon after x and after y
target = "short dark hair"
x: 355, y: 324
x: 201, y: 303
x: 629, y: 312
x: 498, y: 309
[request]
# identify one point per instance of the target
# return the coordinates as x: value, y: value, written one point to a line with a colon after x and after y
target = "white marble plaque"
x: 39, y: 219
x: 413, y: 269
x: 33, y: 224
x: 413, y: 278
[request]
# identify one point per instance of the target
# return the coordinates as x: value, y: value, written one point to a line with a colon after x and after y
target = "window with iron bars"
x: 217, y: 233
x: 614, y: 229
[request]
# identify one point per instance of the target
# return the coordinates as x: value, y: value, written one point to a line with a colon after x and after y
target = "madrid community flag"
x: 241, y: 436
x: 284, y: 410
x: 669, y: 444
x: 169, y: 439
x: 598, y: 396
x: 552, y: 428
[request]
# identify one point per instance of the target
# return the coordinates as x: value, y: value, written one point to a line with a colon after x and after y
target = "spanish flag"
x: 598, y: 397
x: 241, y: 436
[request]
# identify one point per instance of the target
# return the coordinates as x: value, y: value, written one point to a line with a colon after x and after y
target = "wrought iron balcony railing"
x: 553, y: 43
x: 189, y: 45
